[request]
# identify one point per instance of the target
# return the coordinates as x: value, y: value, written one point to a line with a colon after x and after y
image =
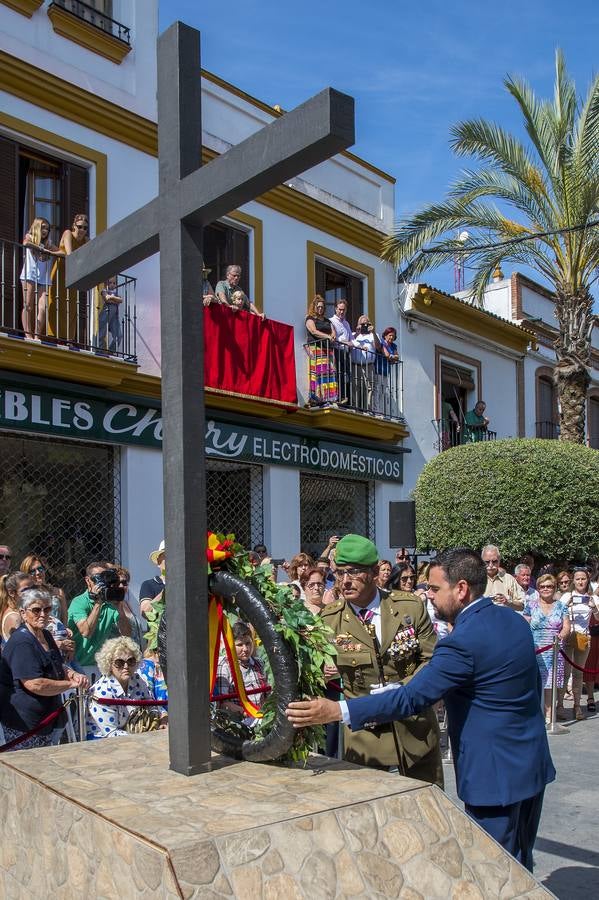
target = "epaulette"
x: 403, y: 597
x: 331, y: 608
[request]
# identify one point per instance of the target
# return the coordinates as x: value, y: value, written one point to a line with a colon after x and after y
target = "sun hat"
x: 156, y: 553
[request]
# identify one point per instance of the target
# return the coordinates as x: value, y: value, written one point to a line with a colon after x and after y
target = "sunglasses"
x: 37, y: 570
x: 82, y: 227
x: 123, y: 582
x: 316, y: 585
x: 407, y: 578
x: 5, y: 556
x: 121, y: 663
x: 39, y: 610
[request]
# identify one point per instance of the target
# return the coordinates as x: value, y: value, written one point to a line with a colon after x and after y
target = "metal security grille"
x: 330, y: 505
x: 61, y: 501
x: 234, y: 501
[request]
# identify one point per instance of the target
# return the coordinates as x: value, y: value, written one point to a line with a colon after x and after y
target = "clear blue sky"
x: 413, y: 68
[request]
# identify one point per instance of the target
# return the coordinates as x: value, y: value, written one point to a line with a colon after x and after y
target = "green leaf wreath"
x: 309, y: 637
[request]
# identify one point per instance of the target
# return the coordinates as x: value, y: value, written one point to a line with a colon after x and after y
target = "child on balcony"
x: 108, y: 320
x: 240, y: 301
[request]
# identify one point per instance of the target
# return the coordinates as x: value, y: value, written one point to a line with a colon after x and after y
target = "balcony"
x: 94, y: 30
x: 455, y: 434
x: 548, y: 430
x: 355, y: 380
x: 58, y: 317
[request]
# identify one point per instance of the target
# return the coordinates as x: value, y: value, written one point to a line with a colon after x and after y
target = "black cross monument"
x: 191, y: 196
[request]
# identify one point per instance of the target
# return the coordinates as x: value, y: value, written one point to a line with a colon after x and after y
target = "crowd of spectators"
x: 347, y: 367
x: 96, y: 640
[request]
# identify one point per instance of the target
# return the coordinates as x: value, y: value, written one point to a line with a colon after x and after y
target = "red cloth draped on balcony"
x: 247, y: 356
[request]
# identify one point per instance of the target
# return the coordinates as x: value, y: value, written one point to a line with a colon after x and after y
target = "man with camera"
x: 98, y: 614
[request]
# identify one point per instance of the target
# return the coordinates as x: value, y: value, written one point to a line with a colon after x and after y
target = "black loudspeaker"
x: 402, y: 524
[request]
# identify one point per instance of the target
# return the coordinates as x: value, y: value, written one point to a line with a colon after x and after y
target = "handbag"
x: 581, y: 641
x: 141, y: 720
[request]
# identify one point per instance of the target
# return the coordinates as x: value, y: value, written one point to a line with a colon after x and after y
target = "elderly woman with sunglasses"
x: 33, y: 675
x: 117, y: 661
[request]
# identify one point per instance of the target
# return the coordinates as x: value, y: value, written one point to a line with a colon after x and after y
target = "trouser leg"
x: 528, y: 825
x: 501, y: 822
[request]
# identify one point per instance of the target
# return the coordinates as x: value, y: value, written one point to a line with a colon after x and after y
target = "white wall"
x: 141, y: 512
x: 281, y: 511
x: 498, y: 371
x: 132, y: 84
x: 339, y: 182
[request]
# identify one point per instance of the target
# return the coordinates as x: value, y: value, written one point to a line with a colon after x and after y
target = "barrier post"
x: 554, y: 726
x: 81, y: 711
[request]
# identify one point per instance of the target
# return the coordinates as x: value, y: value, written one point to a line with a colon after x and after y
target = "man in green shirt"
x: 95, y: 620
x: 475, y: 424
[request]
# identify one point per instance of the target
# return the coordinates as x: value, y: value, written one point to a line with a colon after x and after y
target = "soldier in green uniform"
x: 382, y: 636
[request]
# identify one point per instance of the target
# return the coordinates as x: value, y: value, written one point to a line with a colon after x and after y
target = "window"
x: 593, y: 423
x: 226, y: 246
x: 458, y: 382
x: 234, y: 501
x: 332, y: 505
x: 334, y: 285
x: 33, y: 184
x: 546, y: 402
x: 60, y: 499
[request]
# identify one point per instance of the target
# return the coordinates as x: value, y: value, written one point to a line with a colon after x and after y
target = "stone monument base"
x: 107, y: 819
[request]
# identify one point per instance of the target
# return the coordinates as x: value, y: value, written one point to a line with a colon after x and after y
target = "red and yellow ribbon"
x: 217, y: 551
x: 219, y: 628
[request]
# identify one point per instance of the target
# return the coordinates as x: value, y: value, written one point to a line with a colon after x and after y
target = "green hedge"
x: 524, y: 495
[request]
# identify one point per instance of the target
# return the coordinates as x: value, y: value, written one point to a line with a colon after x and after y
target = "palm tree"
x: 549, y: 184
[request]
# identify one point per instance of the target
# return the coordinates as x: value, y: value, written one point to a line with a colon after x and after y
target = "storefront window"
x: 61, y: 501
x: 234, y: 502
x: 330, y: 505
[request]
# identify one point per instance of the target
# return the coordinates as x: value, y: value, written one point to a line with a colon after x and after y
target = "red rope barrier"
x: 47, y: 720
x: 125, y: 701
x: 542, y: 649
x: 579, y: 668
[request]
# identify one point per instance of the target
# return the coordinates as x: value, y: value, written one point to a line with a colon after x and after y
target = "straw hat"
x: 156, y: 553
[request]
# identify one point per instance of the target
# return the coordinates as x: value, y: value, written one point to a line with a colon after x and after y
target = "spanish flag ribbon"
x: 219, y: 628
x: 217, y: 551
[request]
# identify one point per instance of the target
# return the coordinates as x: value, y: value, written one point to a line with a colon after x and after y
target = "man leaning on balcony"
x: 501, y: 586
x: 226, y: 288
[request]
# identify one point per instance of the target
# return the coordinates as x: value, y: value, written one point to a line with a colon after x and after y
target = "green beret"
x: 353, y: 549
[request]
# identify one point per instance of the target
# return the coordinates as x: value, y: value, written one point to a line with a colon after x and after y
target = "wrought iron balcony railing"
x: 353, y: 379
x: 453, y: 434
x: 548, y: 429
x: 92, y: 16
x: 44, y: 310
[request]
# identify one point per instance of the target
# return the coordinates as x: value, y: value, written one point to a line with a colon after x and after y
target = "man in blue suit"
x: 487, y: 674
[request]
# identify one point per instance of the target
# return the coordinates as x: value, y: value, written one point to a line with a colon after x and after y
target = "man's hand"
x: 501, y: 599
x: 302, y: 713
x: 330, y: 671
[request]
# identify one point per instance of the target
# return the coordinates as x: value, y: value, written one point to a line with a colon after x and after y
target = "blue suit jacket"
x: 487, y: 674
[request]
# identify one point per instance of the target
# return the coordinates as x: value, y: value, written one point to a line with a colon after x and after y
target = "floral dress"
x: 544, y: 628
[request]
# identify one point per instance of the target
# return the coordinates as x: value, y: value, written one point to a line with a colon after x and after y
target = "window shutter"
x: 9, y: 219
x: 76, y: 193
x: 457, y: 375
x: 11, y: 258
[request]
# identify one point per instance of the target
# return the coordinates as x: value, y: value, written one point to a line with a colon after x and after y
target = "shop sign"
x: 133, y: 422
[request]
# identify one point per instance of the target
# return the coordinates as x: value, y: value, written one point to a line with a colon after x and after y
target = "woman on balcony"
x: 35, y: 278
x: 323, y: 375
x: 66, y: 308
